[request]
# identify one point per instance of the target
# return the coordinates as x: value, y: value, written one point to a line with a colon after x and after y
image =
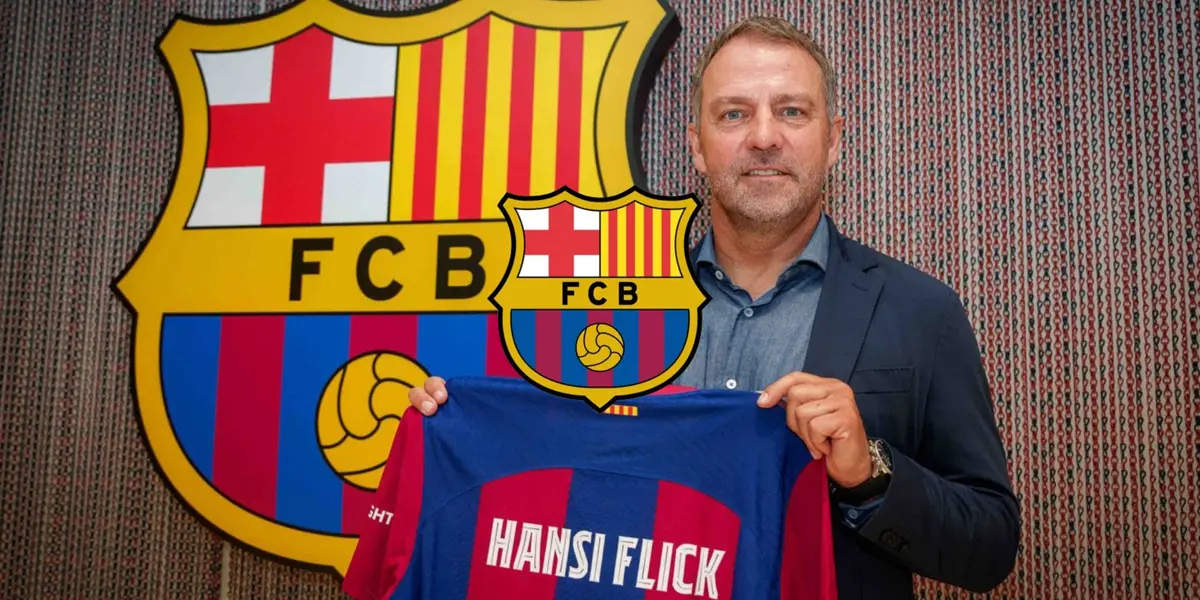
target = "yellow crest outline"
x: 647, y: 28
x: 686, y: 290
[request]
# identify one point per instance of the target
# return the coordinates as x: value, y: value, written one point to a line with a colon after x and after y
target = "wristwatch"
x: 876, y: 484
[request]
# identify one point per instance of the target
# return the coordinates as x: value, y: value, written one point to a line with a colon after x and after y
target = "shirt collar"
x: 816, y: 252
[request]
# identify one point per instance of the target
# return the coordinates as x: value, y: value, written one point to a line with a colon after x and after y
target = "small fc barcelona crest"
x: 598, y: 301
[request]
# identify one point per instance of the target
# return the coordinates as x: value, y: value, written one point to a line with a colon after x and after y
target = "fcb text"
x: 536, y: 548
x: 627, y: 293
x: 306, y: 261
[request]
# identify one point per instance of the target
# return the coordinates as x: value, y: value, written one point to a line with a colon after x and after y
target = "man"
x: 876, y: 362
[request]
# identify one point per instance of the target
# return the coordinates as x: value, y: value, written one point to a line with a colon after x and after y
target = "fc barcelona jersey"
x: 510, y: 492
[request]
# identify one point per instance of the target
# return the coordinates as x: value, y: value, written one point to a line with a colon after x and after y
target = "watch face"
x: 879, y: 457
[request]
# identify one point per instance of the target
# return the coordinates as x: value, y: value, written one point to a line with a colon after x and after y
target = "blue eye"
x: 733, y: 114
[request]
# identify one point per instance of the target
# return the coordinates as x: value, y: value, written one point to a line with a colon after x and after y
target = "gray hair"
x: 774, y: 29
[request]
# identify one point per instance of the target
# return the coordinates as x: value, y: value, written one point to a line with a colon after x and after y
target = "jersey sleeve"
x: 385, y: 546
x: 808, y: 569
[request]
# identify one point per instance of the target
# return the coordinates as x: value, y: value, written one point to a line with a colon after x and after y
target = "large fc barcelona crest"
x: 599, y: 301
x: 333, y: 234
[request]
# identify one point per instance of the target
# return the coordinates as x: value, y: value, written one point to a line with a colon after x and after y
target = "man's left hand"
x: 822, y: 411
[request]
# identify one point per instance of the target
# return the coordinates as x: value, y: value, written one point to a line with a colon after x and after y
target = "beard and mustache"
x: 767, y: 202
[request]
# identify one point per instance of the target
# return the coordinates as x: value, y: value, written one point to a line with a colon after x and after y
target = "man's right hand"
x: 427, y: 399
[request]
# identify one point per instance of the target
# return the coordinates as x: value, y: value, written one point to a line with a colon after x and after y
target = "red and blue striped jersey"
x: 510, y: 492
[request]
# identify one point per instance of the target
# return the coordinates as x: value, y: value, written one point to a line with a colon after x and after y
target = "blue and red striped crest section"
x: 334, y: 226
x: 652, y: 340
x: 243, y: 394
x: 598, y: 301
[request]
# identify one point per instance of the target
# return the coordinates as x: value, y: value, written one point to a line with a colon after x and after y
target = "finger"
x: 776, y: 391
x: 808, y: 411
x: 804, y: 411
x: 436, y: 387
x: 826, y: 428
x: 801, y: 417
x: 421, y: 399
x: 804, y: 414
x: 801, y: 432
x: 806, y: 392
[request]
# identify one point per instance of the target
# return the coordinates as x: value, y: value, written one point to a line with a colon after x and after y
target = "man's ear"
x: 694, y: 145
x: 835, y: 139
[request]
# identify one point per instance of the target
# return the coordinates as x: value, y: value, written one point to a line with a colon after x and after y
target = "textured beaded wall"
x: 1041, y: 157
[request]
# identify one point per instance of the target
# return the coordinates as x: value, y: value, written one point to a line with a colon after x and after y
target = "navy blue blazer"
x: 902, y: 341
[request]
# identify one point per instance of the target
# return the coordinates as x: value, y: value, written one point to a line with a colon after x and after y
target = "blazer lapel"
x: 844, y: 311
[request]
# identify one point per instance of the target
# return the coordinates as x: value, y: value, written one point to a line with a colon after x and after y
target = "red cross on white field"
x: 300, y: 132
x: 561, y: 241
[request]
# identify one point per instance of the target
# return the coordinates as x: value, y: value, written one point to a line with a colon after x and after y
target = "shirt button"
x: 853, y: 514
x: 720, y: 276
x: 749, y: 312
x: 730, y: 383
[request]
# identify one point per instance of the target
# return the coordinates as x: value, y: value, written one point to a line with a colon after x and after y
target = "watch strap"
x: 875, y: 485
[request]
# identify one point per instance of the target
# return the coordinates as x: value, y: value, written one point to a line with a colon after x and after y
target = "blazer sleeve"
x: 950, y: 513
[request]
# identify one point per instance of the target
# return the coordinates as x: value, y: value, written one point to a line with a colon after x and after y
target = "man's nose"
x: 764, y: 131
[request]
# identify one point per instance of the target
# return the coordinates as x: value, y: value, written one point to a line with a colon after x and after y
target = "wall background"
x: 1041, y: 157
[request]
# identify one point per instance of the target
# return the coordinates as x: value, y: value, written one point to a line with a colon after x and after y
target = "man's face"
x: 763, y: 136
